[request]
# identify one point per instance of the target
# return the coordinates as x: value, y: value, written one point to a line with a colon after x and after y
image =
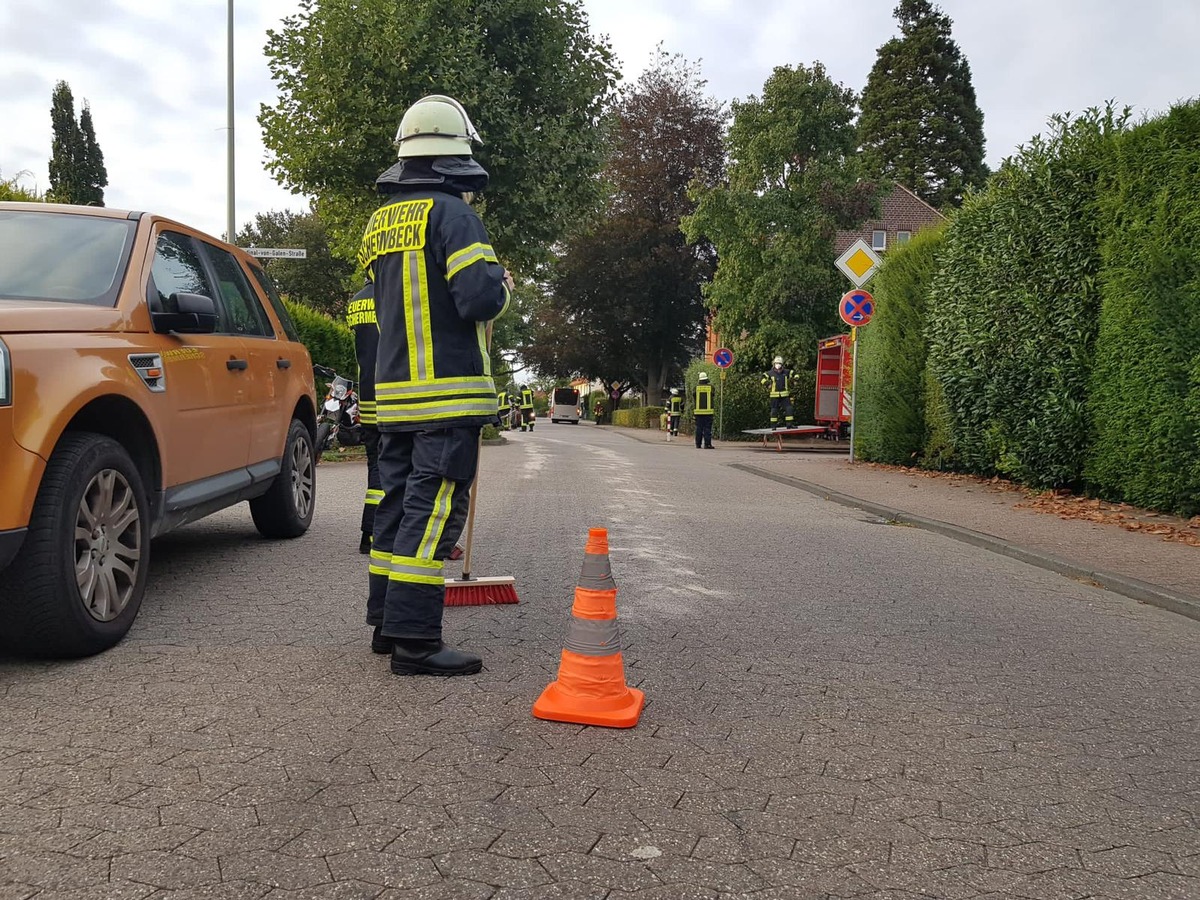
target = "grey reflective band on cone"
x: 593, y: 637
x: 596, y: 574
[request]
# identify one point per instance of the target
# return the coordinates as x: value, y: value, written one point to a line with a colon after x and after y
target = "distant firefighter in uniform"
x: 702, y: 410
x: 674, y: 411
x: 361, y: 318
x: 526, y: 408
x: 503, y: 409
x: 780, y: 380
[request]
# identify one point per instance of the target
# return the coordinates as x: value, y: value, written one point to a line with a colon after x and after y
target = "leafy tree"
x: 793, y: 183
x: 626, y: 298
x: 920, y: 123
x: 66, y: 148
x: 528, y: 71
x: 11, y: 189
x: 93, y: 176
x: 321, y: 280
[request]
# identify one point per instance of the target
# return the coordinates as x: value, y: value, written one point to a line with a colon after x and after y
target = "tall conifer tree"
x: 93, y: 176
x: 66, y: 149
x: 920, y: 123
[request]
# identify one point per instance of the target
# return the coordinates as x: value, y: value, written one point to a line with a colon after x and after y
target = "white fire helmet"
x: 778, y: 360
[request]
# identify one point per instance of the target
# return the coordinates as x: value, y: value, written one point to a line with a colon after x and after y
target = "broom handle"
x: 466, y: 572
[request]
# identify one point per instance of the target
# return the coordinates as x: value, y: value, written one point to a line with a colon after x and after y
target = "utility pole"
x: 230, y: 225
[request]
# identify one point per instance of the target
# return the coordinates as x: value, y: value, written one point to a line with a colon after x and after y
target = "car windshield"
x: 62, y: 256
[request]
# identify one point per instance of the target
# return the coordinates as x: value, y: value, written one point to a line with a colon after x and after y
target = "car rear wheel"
x: 77, y: 582
x: 286, y: 509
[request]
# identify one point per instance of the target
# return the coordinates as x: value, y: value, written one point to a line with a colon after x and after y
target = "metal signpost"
x: 723, y: 358
x: 858, y: 263
x: 277, y: 252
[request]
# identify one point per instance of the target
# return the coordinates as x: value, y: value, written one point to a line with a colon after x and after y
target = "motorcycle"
x: 339, y: 413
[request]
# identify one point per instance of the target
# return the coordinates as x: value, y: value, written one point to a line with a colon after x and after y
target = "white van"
x: 564, y: 405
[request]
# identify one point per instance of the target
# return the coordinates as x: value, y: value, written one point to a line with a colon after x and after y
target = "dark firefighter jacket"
x: 675, y: 405
x: 360, y: 316
x: 703, y: 402
x: 437, y: 283
x: 526, y: 398
x: 780, y: 381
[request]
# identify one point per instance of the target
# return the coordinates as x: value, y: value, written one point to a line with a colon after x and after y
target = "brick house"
x: 901, y: 215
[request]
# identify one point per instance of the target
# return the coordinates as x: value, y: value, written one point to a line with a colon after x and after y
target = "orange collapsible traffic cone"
x: 591, y: 688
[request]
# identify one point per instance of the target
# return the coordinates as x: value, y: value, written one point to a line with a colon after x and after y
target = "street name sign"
x: 278, y: 252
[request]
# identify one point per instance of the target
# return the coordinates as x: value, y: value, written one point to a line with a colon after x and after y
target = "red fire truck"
x: 835, y: 385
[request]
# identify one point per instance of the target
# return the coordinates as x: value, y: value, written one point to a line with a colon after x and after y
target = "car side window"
x: 268, y: 288
x: 177, y: 269
x: 243, y: 311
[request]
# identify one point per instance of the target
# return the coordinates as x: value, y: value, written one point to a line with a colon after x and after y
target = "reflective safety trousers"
x: 437, y: 283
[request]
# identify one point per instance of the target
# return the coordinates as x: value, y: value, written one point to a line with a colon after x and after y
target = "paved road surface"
x: 836, y: 707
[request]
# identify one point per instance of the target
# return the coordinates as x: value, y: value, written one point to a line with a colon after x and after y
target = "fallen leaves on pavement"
x: 1066, y: 505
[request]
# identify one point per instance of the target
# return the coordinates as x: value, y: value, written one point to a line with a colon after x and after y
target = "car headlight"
x: 5, y: 375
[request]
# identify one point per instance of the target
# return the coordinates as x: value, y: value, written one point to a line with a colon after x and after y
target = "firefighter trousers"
x: 782, y: 407
x: 374, y: 486
x: 704, y: 431
x: 426, y: 477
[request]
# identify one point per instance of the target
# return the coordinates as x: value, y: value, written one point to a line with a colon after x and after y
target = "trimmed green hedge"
x: 329, y: 342
x: 638, y: 417
x: 890, y: 423
x: 1145, y: 389
x: 1013, y: 310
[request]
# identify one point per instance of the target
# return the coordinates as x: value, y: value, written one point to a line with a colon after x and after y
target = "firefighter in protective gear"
x: 514, y: 409
x: 360, y: 316
x: 702, y: 411
x: 437, y: 284
x: 780, y: 380
x: 674, y: 412
x: 527, y: 416
x: 503, y: 409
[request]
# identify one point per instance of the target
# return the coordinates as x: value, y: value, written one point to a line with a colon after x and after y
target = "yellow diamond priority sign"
x: 858, y: 263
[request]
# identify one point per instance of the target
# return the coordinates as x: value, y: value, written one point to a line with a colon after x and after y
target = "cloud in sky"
x: 154, y: 74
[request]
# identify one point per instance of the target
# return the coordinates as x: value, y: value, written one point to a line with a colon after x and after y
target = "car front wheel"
x: 77, y: 582
x: 286, y: 509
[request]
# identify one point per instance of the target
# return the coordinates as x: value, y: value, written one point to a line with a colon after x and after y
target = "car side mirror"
x: 193, y: 314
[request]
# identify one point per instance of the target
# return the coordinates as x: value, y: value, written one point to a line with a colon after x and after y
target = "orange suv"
x: 149, y: 376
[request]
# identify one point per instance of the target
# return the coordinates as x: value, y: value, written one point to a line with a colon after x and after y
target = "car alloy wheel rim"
x: 302, y: 478
x: 108, y: 545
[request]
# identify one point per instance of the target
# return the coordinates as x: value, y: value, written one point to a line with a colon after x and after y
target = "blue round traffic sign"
x: 723, y: 357
x: 856, y: 307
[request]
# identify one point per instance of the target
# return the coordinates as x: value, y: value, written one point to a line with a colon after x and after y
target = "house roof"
x: 900, y: 210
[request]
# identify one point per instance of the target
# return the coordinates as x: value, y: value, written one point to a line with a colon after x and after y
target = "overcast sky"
x: 154, y: 74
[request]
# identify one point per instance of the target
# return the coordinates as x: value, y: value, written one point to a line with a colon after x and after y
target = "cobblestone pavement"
x: 836, y: 708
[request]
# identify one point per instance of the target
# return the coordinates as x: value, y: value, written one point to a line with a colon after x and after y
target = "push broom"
x: 467, y: 590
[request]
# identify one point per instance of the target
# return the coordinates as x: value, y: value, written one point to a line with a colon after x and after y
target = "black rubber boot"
x: 379, y: 643
x: 432, y: 657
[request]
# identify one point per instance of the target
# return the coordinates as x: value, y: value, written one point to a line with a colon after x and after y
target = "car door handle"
x: 232, y: 364
x: 283, y: 363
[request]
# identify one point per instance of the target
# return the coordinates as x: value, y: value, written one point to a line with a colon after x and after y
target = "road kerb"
x: 1133, y: 588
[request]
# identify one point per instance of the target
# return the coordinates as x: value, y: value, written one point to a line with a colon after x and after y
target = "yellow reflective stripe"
x: 437, y: 520
x: 416, y: 317
x: 416, y: 571
x: 481, y: 333
x: 472, y: 253
x: 507, y: 301
x: 432, y: 411
x: 433, y: 387
x: 373, y: 497
x: 381, y: 562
